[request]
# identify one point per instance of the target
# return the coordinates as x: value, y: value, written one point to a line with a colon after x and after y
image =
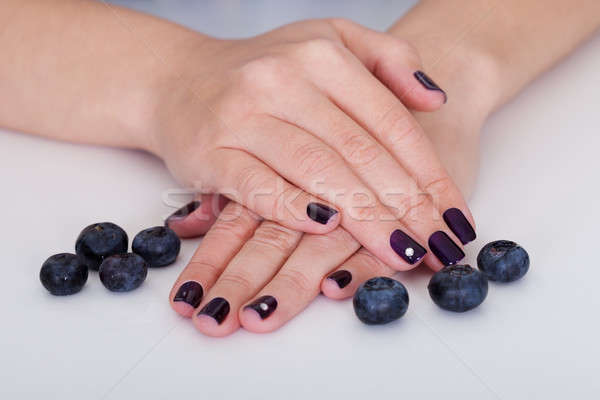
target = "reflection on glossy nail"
x: 217, y: 308
x: 191, y: 293
x: 445, y: 249
x: 183, y: 211
x: 341, y: 277
x: 264, y: 306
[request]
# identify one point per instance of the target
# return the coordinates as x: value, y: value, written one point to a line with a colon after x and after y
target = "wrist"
x: 176, y: 92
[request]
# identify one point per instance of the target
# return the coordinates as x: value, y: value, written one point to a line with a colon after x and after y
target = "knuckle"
x: 235, y: 223
x: 262, y: 73
x: 320, y: 49
x: 410, y: 204
x: 236, y: 279
x: 439, y: 188
x: 364, y: 213
x: 250, y: 180
x: 205, y: 266
x: 406, y: 50
x: 297, y: 280
x: 284, y: 202
x: 314, y: 159
x: 339, y: 238
x: 275, y: 237
x: 360, y: 150
x: 399, y: 127
x: 231, y: 230
x: 368, y: 261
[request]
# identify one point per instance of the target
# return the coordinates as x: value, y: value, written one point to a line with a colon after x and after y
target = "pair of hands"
x: 318, y: 103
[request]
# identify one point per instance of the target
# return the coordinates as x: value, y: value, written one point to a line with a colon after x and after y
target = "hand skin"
x: 480, y: 69
x: 311, y: 113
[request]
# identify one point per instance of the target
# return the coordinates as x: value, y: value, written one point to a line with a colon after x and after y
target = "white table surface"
x: 537, y: 338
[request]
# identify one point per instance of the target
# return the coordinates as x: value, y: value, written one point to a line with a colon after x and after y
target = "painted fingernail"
x: 191, y: 293
x: 459, y: 224
x: 264, y: 306
x: 406, y: 247
x: 320, y: 212
x: 428, y: 83
x: 183, y: 211
x: 445, y: 249
x: 217, y: 308
x: 341, y: 277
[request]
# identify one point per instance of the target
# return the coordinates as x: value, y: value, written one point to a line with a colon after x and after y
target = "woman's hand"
x: 299, y: 126
x: 241, y: 260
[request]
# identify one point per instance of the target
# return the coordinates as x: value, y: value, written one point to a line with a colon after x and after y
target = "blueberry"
x: 503, y: 261
x: 123, y: 272
x: 63, y: 274
x: 380, y: 300
x: 98, y: 241
x: 458, y: 288
x: 159, y: 246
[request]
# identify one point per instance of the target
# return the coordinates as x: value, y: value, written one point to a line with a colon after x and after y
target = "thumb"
x: 395, y: 62
x: 196, y: 218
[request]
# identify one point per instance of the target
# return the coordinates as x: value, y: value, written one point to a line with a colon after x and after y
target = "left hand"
x: 242, y: 259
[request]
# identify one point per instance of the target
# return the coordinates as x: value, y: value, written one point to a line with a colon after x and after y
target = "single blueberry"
x: 63, y: 274
x: 458, y: 288
x: 503, y: 261
x: 159, y: 246
x: 99, y: 241
x: 123, y: 272
x: 380, y: 300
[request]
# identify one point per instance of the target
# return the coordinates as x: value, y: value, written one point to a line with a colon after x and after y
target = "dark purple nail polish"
x: 183, y: 211
x: 190, y: 292
x: 264, y: 306
x: 428, y: 83
x: 406, y: 247
x: 217, y: 308
x: 445, y: 249
x: 320, y: 212
x: 341, y: 277
x: 459, y: 224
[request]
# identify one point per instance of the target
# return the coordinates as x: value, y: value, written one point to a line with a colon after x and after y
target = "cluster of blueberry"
x: 103, y: 247
x: 457, y: 288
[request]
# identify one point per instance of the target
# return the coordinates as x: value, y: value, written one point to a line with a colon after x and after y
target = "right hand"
x: 299, y: 121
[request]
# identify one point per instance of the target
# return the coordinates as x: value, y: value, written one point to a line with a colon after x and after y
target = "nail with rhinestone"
x: 406, y: 247
x: 264, y: 306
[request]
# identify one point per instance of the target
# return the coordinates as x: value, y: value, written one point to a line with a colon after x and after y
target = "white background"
x: 537, y: 338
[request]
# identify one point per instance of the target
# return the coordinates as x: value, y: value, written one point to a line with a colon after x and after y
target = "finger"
x: 196, y: 218
x: 234, y: 226
x: 297, y: 282
x: 260, y: 189
x: 362, y: 97
x: 251, y: 268
x: 361, y: 266
x: 394, y: 62
x: 374, y: 165
x: 314, y: 165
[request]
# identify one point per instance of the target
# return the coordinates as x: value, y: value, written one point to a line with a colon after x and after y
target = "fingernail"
x: 428, y: 83
x: 459, y: 224
x: 264, y: 306
x: 183, y: 211
x: 341, y: 277
x: 320, y: 212
x: 445, y: 249
x: 190, y: 292
x: 406, y: 247
x: 217, y: 308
